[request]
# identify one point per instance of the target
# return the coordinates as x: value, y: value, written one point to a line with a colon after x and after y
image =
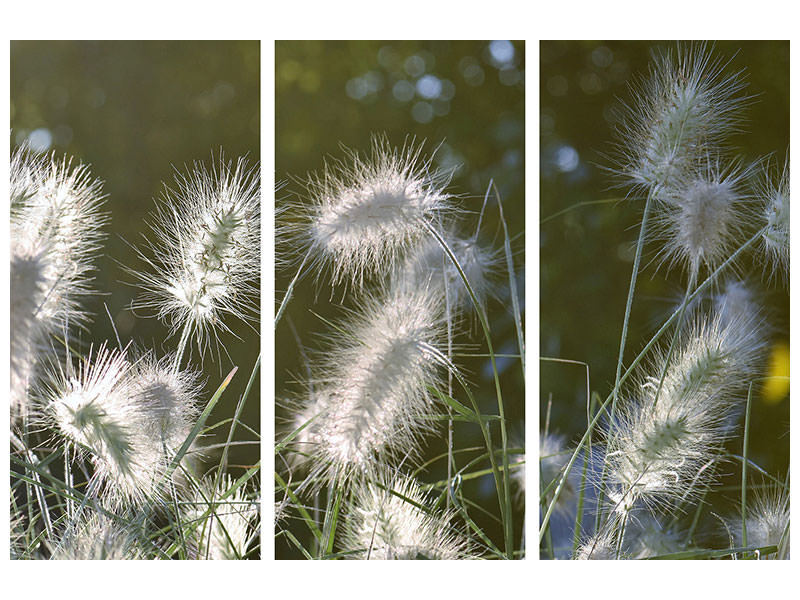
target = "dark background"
x: 132, y: 111
x: 470, y: 96
x: 587, y: 253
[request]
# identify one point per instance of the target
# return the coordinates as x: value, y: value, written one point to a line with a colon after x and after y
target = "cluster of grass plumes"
x: 677, y: 418
x: 107, y: 457
x: 385, y: 379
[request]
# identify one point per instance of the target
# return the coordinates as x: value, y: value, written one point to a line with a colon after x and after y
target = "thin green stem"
x: 505, y: 498
x: 744, y: 463
x: 288, y: 295
x: 623, y: 338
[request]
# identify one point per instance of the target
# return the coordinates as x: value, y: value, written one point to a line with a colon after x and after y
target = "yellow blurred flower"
x: 776, y: 387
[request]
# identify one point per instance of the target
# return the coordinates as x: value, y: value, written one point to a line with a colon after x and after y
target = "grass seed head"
x: 97, y: 537
x: 227, y: 531
x: 365, y: 214
x: 205, y: 258
x: 773, y: 193
x: 429, y: 263
x: 55, y: 234
x: 373, y: 394
x: 400, y: 524
x: 685, y: 109
x: 702, y: 216
x: 670, y: 437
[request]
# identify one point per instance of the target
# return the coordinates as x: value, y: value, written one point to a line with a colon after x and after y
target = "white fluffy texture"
x: 702, y: 216
x: 311, y: 415
x: 599, y: 547
x: 372, y: 394
x: 774, y: 194
x: 205, y: 258
x: 97, y: 538
x: 665, y: 444
x: 767, y: 519
x: 681, y: 113
x: 553, y: 457
x: 93, y: 409
x: 647, y: 537
x: 380, y: 525
x: 364, y: 215
x: 428, y: 263
x: 168, y: 402
x: 227, y: 531
x: 735, y: 302
x: 55, y: 233
x: 130, y: 419
x: 27, y: 331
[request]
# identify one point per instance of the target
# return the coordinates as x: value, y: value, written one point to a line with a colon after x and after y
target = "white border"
x: 411, y: 19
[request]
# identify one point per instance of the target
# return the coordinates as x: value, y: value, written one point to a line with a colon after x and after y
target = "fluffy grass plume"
x: 373, y: 388
x: 676, y: 424
x: 205, y: 251
x: 364, y: 213
x: 773, y: 193
x: 704, y: 216
x: 683, y: 111
x: 675, y: 429
x: 55, y: 233
x: 396, y: 521
x: 106, y: 442
x: 385, y: 379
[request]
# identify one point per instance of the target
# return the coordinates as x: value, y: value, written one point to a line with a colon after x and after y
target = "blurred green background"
x: 134, y: 111
x: 467, y: 95
x: 587, y: 253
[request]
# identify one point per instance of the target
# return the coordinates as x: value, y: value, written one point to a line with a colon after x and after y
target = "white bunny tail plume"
x: 363, y: 216
x: 686, y: 108
x: 373, y: 396
x: 55, y: 232
x: 395, y: 520
x: 205, y: 252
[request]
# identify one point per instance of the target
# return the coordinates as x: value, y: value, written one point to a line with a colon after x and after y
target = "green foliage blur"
x: 465, y: 97
x: 587, y: 252
x: 135, y: 111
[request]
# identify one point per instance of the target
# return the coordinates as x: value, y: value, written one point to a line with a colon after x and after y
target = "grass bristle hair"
x: 686, y: 108
x: 773, y: 193
x: 393, y: 519
x: 372, y: 390
x: 366, y: 212
x: 204, y: 255
x: 55, y: 234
